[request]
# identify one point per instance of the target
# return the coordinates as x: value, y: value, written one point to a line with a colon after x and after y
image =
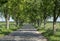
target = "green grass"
x: 48, y: 32
x: 4, y: 31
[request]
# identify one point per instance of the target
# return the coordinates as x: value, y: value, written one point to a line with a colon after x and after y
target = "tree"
x: 55, y: 14
x: 5, y: 10
x: 3, y: 2
x: 45, y: 9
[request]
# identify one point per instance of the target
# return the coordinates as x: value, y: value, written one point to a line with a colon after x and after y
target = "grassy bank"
x: 48, y: 33
x: 4, y: 31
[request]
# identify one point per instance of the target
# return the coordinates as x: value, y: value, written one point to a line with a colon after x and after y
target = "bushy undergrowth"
x: 4, y: 31
x: 48, y: 33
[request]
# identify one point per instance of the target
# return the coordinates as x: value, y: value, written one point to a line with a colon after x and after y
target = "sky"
x: 50, y: 19
x: 3, y: 19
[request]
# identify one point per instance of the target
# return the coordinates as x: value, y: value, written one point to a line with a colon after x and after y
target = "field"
x: 47, y: 31
x: 4, y: 31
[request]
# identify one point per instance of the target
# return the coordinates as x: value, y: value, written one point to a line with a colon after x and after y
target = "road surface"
x: 26, y: 33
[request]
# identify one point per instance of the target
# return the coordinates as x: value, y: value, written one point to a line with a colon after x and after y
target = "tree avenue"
x: 32, y: 11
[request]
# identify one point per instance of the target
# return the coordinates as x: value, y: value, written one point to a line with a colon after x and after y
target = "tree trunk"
x: 7, y: 21
x: 44, y: 23
x: 38, y: 22
x: 18, y: 23
x: 54, y: 27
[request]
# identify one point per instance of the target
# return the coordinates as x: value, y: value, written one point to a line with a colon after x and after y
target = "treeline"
x: 32, y: 11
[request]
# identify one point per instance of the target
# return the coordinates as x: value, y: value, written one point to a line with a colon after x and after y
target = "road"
x: 26, y: 33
